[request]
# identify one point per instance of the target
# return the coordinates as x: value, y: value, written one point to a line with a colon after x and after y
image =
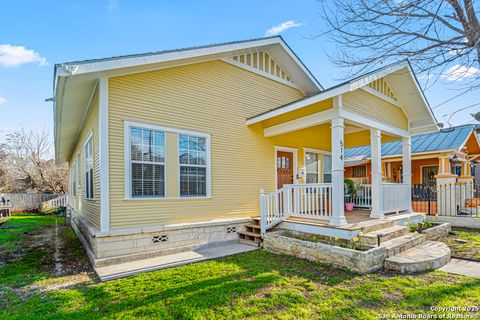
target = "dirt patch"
x: 63, y: 259
x: 464, y: 243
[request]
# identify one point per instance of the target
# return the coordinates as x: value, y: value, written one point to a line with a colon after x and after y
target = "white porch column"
x: 103, y: 155
x: 407, y: 168
x: 376, y: 151
x: 338, y: 214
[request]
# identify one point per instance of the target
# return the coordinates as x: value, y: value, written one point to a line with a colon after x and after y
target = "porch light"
x: 454, y: 159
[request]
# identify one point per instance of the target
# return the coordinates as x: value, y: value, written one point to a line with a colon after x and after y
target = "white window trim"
x: 128, y: 161
x: 295, y: 162
x: 87, y: 139
x: 319, y: 162
x: 127, y: 156
x: 208, y: 164
x: 320, y: 168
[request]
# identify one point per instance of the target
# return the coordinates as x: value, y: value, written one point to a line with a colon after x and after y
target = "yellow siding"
x: 213, y: 97
x: 302, y: 112
x: 90, y: 209
x: 368, y: 105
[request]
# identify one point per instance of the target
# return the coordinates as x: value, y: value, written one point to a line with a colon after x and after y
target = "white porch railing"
x: 54, y: 203
x: 395, y: 197
x: 362, y: 197
x: 301, y: 200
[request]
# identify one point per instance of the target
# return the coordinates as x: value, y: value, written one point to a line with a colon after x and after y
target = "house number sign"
x: 341, y: 150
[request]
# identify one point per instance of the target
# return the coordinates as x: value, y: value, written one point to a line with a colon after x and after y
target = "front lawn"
x: 465, y: 243
x: 254, y: 285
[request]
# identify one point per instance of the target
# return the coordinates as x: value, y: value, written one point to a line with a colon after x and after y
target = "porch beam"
x: 355, y: 118
x: 376, y: 151
x: 338, y: 213
x: 301, y: 123
x: 407, y: 168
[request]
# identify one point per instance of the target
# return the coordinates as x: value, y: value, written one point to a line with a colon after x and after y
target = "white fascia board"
x: 299, y: 104
x: 465, y: 142
x: 363, y: 81
x: 301, y: 65
x: 301, y: 123
x: 424, y: 129
x: 105, y: 65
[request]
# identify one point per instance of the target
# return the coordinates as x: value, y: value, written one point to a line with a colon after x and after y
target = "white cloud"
x: 282, y: 27
x: 2, y: 100
x: 15, y: 56
x: 458, y: 73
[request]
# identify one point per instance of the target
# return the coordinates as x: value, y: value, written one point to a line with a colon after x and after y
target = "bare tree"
x: 440, y: 37
x: 29, y: 164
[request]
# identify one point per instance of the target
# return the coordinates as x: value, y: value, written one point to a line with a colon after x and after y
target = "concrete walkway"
x: 204, y: 253
x: 463, y: 267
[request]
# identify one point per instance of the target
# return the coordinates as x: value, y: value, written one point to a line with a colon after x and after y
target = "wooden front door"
x: 284, y: 168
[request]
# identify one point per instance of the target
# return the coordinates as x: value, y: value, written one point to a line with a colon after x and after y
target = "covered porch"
x: 368, y: 110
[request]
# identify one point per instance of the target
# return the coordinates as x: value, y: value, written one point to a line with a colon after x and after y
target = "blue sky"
x: 58, y: 31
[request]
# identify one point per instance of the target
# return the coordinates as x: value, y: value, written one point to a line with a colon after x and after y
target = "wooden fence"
x: 27, y: 201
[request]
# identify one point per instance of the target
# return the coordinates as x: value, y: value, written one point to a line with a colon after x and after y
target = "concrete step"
x: 374, y: 225
x: 389, y: 233
x: 426, y: 256
x: 403, y: 243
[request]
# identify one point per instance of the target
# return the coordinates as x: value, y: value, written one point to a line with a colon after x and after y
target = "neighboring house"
x: 169, y: 150
x: 455, y: 146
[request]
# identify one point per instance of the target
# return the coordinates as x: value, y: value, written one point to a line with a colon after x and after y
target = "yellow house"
x: 176, y: 149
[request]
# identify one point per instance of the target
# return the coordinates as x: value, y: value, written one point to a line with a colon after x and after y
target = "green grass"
x: 18, y: 226
x: 254, y: 285
x: 471, y: 249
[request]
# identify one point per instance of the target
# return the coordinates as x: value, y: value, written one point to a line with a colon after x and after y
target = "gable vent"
x: 382, y: 87
x: 262, y: 63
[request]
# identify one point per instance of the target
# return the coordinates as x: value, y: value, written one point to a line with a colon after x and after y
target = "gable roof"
x: 447, y: 140
x: 399, y: 74
x: 75, y: 81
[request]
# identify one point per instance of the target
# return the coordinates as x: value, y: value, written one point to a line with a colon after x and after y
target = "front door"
x: 284, y: 168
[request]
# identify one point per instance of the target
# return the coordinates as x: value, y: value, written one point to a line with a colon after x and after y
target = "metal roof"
x: 448, y: 139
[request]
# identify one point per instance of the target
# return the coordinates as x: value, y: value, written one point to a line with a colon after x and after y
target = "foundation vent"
x: 231, y: 230
x: 160, y: 238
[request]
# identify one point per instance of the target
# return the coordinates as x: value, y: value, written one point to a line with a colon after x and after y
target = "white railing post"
x: 263, y: 212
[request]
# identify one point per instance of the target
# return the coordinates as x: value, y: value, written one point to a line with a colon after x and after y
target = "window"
x: 359, y: 172
x: 192, y: 158
x: 327, y: 168
x: 311, y: 167
x: 88, y: 164
x: 78, y: 171
x: 428, y: 175
x: 147, y: 163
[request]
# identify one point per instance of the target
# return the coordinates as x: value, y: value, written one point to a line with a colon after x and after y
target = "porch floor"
x: 356, y: 219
